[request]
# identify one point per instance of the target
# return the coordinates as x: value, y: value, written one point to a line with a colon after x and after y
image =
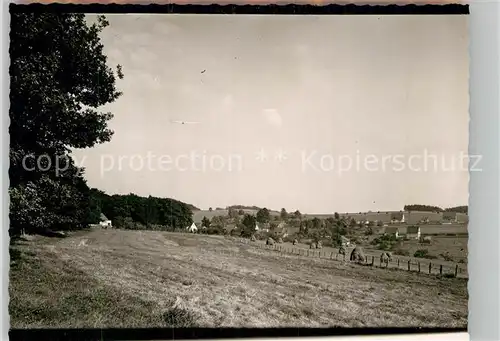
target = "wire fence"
x: 420, y: 266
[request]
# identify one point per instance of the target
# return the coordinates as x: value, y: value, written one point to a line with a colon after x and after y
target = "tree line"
x: 135, y: 212
x: 429, y: 208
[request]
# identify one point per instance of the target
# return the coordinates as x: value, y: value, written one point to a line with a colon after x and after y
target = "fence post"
x: 398, y: 263
x: 441, y: 269
x: 373, y: 260
x: 344, y: 257
x: 380, y: 263
x: 430, y: 267
x: 456, y: 270
x: 307, y: 253
x: 418, y: 266
x: 337, y: 256
x: 409, y: 266
x: 331, y: 255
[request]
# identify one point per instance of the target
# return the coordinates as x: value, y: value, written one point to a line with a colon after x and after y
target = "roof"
x: 103, y: 217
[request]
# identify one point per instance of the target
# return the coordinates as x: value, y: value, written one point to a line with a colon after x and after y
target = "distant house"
x: 192, y: 228
x: 392, y: 231
x: 413, y: 232
x: 104, y: 222
x: 257, y: 227
x: 281, y: 230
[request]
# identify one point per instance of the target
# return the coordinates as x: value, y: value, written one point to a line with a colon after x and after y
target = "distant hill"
x: 458, y: 209
x: 423, y: 208
x: 243, y: 207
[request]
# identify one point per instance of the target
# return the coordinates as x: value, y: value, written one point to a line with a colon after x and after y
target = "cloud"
x: 273, y: 117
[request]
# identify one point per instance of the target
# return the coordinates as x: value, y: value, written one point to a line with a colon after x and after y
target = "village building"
x: 104, y: 221
x: 192, y: 228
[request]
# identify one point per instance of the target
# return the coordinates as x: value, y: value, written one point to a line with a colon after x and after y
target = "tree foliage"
x: 205, y: 222
x: 263, y: 215
x: 283, y: 214
x: 248, y: 225
x: 458, y: 209
x: 162, y: 213
x: 423, y: 208
x: 58, y: 80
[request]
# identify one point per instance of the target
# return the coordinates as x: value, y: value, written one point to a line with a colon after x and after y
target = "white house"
x: 104, y: 222
x: 256, y: 227
x: 192, y: 228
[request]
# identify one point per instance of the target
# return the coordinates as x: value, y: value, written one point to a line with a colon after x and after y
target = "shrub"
x: 385, y: 246
x: 401, y: 252
x: 446, y: 256
x: 423, y: 253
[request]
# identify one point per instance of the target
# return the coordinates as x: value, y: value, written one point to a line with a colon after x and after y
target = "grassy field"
x: 455, y: 249
x: 113, y: 278
x: 439, y: 244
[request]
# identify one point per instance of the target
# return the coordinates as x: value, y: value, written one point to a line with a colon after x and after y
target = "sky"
x: 286, y: 110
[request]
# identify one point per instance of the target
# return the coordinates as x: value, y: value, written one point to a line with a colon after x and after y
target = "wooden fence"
x: 423, y: 266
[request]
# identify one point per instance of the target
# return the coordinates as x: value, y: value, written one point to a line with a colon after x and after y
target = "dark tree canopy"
x: 283, y: 214
x: 263, y: 215
x: 58, y: 79
x: 423, y: 208
x: 458, y: 209
x: 143, y: 212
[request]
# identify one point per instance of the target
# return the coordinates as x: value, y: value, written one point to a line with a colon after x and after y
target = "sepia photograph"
x: 247, y: 171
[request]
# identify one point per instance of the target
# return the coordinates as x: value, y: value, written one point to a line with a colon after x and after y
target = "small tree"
x: 284, y: 214
x: 297, y: 215
x: 241, y: 212
x: 352, y: 223
x: 248, y: 225
x: 316, y: 223
x: 210, y: 209
x: 263, y: 215
x: 232, y: 212
x: 205, y: 222
x: 336, y: 216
